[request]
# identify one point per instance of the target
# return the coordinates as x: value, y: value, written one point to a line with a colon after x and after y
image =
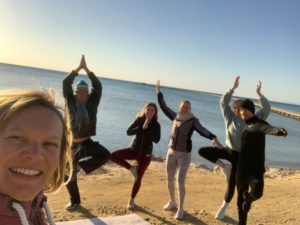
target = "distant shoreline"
x: 143, y: 83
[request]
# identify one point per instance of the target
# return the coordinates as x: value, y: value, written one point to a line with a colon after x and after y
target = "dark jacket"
x: 252, y: 155
x: 180, y: 139
x: 92, y: 104
x: 142, y: 142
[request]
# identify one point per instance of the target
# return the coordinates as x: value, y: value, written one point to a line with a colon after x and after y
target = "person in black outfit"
x: 234, y: 127
x: 82, y: 108
x: 251, y: 164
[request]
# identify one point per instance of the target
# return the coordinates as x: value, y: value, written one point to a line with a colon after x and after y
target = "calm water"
x: 121, y: 101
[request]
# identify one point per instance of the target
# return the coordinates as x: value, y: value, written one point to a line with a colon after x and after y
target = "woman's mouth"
x: 27, y: 172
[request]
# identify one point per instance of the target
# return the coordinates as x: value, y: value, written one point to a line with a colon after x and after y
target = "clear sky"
x: 193, y: 44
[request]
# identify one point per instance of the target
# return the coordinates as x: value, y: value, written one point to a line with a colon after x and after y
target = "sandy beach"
x: 106, y: 192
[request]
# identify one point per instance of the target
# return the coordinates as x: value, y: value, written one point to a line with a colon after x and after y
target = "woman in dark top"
x: 146, y: 130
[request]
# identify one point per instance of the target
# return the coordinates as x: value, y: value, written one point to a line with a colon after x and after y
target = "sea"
x: 122, y: 100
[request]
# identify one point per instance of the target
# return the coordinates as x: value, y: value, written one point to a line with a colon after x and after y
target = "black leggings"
x: 244, y: 180
x: 212, y: 154
x: 80, y: 150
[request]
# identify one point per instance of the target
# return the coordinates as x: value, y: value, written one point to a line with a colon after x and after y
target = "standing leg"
x: 229, y: 192
x: 73, y: 191
x: 242, y: 186
x: 72, y: 185
x: 214, y: 155
x: 171, y: 167
x: 232, y: 178
x: 184, y: 161
x: 143, y: 163
x: 256, y: 191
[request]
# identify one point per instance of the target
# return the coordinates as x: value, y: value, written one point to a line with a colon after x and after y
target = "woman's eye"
x: 18, y: 139
x: 50, y: 145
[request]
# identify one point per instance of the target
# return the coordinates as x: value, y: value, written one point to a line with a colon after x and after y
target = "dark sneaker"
x: 71, y: 206
x: 246, y: 204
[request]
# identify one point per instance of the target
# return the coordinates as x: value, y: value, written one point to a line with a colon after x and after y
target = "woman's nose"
x: 33, y: 150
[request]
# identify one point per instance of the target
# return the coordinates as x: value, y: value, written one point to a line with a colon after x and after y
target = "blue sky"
x: 193, y: 44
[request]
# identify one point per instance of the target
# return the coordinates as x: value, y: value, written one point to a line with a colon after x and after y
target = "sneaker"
x: 130, y: 204
x: 227, y: 171
x: 246, y: 204
x: 170, y: 206
x: 71, y: 206
x: 134, y: 172
x: 179, y: 214
x: 221, y: 213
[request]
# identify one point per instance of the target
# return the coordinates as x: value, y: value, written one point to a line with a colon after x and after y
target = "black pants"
x: 87, y: 149
x: 246, y: 179
x: 212, y: 154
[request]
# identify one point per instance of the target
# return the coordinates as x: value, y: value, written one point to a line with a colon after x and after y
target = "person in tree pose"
x: 251, y: 163
x: 234, y: 126
x: 145, y: 130
x: 82, y: 109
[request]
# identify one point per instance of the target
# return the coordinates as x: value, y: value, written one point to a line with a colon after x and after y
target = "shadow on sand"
x: 84, y: 211
x: 229, y: 220
x: 188, y: 218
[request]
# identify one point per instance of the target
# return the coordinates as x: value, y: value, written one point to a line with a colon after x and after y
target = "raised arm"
x: 264, y: 112
x: 157, y: 86
x: 69, y: 79
x: 96, y: 91
x: 226, y: 98
x: 161, y: 101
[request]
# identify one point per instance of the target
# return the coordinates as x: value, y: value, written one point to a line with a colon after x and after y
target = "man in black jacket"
x: 82, y: 108
x: 251, y: 165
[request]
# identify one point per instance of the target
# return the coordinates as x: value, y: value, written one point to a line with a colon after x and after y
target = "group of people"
x: 41, y: 147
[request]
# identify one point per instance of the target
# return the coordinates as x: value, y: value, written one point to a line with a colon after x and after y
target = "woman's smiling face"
x: 30, y: 145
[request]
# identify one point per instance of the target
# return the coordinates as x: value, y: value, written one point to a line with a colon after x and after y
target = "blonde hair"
x: 12, y: 102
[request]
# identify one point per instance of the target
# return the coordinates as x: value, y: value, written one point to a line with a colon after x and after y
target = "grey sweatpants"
x: 179, y: 162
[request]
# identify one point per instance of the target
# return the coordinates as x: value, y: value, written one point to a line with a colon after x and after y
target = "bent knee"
x: 257, y: 194
x: 203, y: 151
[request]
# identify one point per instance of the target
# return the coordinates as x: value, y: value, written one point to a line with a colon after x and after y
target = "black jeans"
x: 81, y: 150
x: 248, y: 179
x: 212, y: 154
